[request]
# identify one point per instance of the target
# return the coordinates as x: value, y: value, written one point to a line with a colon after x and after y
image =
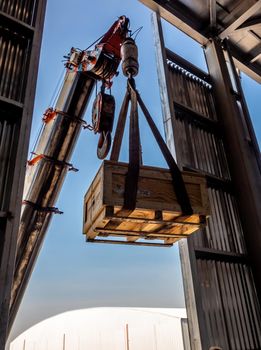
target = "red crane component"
x: 102, y: 62
x: 49, y: 115
x: 35, y: 160
x: 112, y: 40
x: 104, y: 59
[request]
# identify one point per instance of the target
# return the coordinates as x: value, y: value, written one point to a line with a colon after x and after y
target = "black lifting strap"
x: 131, y: 182
x: 132, y: 177
x: 177, y: 180
x: 116, y: 147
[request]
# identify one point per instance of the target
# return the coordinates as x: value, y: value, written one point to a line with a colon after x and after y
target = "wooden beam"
x: 140, y: 234
x: 144, y: 244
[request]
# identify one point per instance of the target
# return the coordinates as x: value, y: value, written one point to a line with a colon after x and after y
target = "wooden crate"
x: 157, y: 215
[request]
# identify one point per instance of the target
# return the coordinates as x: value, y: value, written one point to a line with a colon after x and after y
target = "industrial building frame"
x: 208, y: 129
x: 221, y: 265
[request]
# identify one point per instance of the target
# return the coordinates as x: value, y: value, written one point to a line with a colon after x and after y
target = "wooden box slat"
x: 157, y: 214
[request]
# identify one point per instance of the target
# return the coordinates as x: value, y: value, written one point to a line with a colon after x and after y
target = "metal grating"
x: 23, y: 10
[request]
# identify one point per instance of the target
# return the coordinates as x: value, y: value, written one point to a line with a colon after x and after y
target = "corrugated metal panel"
x: 232, y: 318
x: 23, y: 10
x: 201, y: 149
x: 14, y: 49
x: 20, y: 38
x: 191, y: 91
x: 227, y: 290
x: 224, y: 231
x: 2, y: 232
x: 8, y: 143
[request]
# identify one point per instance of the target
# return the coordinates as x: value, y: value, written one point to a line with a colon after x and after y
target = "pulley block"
x: 102, y: 121
x: 129, y: 56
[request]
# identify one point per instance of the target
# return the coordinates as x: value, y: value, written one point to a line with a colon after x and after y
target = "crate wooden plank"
x: 157, y: 214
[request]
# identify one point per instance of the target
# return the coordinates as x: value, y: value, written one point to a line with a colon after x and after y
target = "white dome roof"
x: 106, y: 329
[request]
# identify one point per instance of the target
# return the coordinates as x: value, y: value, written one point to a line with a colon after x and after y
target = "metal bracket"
x: 6, y: 215
x: 56, y: 161
x: 84, y: 124
x: 53, y: 210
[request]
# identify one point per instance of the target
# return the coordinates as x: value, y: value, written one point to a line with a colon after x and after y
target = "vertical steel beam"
x: 10, y: 235
x: 198, y: 340
x: 242, y: 158
x: 165, y: 94
x: 192, y: 303
x: 212, y: 14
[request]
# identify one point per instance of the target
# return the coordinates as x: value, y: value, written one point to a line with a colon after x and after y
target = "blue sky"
x: 69, y: 273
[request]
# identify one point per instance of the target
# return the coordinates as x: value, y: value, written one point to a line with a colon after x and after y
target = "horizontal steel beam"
x: 187, y: 65
x: 213, y: 181
x: 185, y: 112
x: 202, y: 32
x: 11, y: 103
x: 181, y: 18
x: 252, y: 23
x: 16, y: 24
x: 212, y: 254
x: 255, y: 53
x: 245, y: 13
x: 243, y: 62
